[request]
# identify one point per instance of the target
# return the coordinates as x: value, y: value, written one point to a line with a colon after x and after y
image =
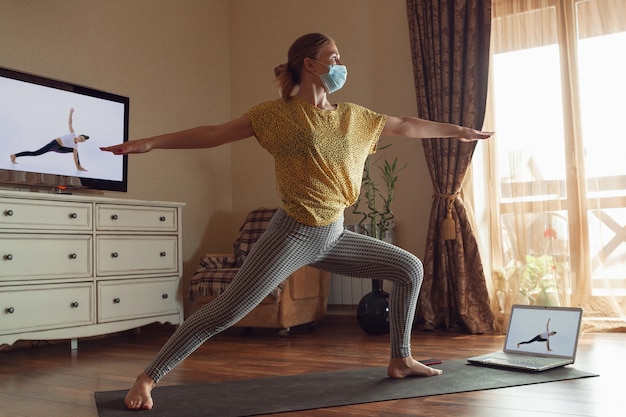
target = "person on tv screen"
x: 319, y: 149
x: 63, y: 144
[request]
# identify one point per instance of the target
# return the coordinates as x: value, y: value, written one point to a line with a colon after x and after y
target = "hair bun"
x: 281, y: 68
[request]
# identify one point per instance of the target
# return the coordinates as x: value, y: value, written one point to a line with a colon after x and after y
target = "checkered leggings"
x: 285, y: 247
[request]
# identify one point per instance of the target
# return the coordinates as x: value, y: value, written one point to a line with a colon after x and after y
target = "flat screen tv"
x: 42, y: 126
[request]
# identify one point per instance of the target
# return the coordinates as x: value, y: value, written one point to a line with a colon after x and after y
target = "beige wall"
x: 190, y: 62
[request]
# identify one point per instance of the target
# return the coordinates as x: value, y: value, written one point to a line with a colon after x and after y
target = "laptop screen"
x: 547, y: 331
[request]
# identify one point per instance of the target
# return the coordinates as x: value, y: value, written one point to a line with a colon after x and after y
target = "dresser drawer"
x: 38, y: 307
x: 129, y: 299
x: 17, y: 213
x: 137, y: 218
x: 120, y: 255
x: 45, y: 257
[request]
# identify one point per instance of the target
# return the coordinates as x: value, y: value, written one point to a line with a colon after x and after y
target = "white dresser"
x: 79, y: 266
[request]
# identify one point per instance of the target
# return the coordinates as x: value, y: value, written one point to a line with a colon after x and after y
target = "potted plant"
x: 376, y: 221
x: 530, y: 278
x: 531, y: 281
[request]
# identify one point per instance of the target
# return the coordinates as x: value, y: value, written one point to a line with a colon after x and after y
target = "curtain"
x: 557, y: 214
x: 450, y: 44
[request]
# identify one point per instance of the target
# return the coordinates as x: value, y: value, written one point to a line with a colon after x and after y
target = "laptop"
x: 538, y: 338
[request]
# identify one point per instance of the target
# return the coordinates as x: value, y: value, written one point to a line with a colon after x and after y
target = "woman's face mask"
x: 335, y: 78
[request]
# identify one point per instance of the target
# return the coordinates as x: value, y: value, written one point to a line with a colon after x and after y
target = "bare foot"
x: 403, y: 367
x: 139, y: 398
x: 13, y: 159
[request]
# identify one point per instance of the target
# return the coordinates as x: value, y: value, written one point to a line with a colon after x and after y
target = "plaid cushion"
x: 254, y: 226
x: 215, y: 281
x: 219, y: 261
x: 211, y: 281
x: 217, y: 272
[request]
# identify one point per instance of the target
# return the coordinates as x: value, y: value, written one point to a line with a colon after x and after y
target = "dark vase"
x: 373, y: 310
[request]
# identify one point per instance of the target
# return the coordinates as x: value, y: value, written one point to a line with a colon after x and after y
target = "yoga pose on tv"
x: 319, y: 149
x: 541, y: 337
x: 64, y: 144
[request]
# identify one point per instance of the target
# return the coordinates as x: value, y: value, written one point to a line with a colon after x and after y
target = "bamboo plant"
x: 377, y: 217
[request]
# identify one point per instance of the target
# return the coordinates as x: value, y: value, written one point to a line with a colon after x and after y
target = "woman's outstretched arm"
x: 413, y: 127
x: 194, y: 138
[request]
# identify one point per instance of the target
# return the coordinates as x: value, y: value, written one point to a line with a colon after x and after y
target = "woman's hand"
x: 471, y: 135
x: 133, y: 146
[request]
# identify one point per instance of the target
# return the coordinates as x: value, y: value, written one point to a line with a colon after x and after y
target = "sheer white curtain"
x: 555, y: 172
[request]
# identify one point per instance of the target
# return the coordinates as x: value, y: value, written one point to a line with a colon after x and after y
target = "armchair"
x: 300, y: 299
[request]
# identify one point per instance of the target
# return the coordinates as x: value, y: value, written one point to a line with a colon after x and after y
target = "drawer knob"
x: 162, y: 218
x: 10, y: 310
x: 114, y: 255
x: 165, y: 296
x: 163, y: 254
x: 114, y: 217
x: 74, y: 304
x: 73, y: 256
x: 116, y: 301
x: 73, y: 215
x: 8, y: 213
x: 8, y: 257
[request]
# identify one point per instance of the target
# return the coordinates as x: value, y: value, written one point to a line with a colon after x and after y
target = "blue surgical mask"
x: 335, y: 78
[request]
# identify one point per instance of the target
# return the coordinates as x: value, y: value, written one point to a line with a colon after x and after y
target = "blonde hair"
x: 288, y: 75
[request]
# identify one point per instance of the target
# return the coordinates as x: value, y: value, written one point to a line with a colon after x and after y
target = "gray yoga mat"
x: 321, y: 390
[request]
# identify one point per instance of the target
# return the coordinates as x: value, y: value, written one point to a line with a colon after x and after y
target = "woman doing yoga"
x: 319, y: 149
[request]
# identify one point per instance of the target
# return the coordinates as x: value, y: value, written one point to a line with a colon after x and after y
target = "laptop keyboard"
x: 532, y: 361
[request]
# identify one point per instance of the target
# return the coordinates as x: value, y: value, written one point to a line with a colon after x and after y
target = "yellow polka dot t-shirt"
x: 318, y: 154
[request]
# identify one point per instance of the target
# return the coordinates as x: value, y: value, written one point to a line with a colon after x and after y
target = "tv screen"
x: 51, y: 132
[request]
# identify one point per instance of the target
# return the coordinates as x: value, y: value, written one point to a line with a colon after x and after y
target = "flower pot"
x: 373, y: 310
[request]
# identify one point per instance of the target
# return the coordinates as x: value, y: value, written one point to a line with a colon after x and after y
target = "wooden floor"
x: 49, y: 380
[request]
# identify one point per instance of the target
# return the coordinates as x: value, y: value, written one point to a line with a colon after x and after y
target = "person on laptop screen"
x: 541, y: 337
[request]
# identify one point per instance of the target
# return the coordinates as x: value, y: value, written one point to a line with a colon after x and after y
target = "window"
x: 558, y: 83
